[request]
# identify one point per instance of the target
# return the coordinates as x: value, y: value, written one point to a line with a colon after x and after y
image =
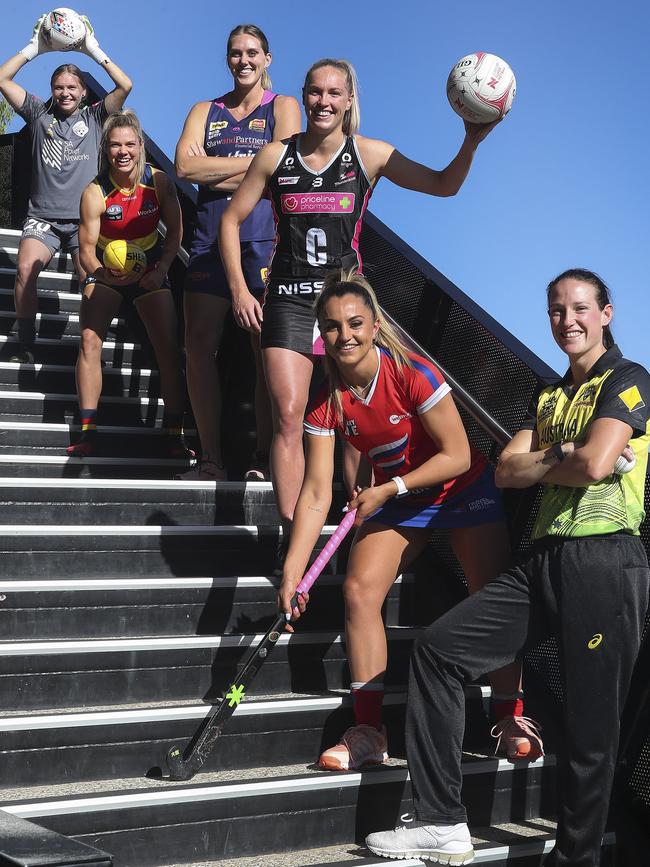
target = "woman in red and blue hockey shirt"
x: 397, y: 410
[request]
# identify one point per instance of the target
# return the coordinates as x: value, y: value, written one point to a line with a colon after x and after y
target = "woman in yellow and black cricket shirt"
x: 585, y: 580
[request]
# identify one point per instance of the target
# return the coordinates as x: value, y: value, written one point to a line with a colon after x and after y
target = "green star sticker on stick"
x: 235, y: 695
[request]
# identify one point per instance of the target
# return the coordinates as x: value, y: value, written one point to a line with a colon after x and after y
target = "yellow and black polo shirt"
x: 614, y: 388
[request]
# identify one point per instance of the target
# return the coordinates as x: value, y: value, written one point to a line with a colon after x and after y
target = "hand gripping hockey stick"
x: 183, y: 765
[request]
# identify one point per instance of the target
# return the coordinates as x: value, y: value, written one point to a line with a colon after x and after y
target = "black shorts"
x: 289, y: 321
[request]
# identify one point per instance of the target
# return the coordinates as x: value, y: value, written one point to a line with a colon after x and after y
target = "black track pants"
x: 592, y: 593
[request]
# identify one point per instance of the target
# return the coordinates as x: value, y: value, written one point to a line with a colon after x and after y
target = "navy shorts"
x: 480, y: 503
x: 205, y: 271
x: 56, y: 236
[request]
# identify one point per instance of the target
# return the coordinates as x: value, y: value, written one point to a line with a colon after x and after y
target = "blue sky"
x: 561, y: 183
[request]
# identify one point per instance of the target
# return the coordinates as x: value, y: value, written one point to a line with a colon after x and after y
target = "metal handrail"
x: 489, y: 424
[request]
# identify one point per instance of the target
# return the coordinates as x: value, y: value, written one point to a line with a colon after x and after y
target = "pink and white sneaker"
x: 359, y: 746
x: 519, y: 738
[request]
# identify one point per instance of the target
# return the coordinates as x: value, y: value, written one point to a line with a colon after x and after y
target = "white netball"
x: 481, y: 87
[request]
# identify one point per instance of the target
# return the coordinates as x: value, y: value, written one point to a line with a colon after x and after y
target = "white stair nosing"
x: 65, y: 585
x: 144, y: 372
x: 154, y: 530
x: 50, y: 427
x: 139, y: 484
x: 71, y: 340
x: 67, y: 276
x: 66, y: 460
x: 99, y: 585
x: 170, y: 714
x: 171, y: 795
x: 45, y: 396
x: 56, y: 647
x: 57, y: 257
x: 182, y: 795
x: 58, y: 317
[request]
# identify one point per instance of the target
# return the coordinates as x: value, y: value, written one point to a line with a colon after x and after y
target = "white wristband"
x: 402, y: 490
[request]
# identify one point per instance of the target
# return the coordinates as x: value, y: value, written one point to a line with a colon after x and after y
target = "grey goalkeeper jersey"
x: 64, y: 157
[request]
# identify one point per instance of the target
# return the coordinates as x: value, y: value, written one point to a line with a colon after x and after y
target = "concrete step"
x: 151, y: 821
x: 77, y: 673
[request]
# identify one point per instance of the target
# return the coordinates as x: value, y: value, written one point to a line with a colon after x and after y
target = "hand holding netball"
x: 481, y: 88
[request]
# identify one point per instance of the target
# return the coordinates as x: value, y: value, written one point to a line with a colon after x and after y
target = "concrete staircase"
x: 127, y: 600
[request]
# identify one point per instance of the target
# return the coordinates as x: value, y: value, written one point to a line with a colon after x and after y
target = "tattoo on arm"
x: 314, y: 509
x: 216, y: 175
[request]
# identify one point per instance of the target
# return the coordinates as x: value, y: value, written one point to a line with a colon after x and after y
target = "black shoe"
x: 22, y: 355
x: 173, y: 446
x: 259, y: 469
x: 85, y: 447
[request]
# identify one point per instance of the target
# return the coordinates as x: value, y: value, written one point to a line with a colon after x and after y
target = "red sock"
x: 507, y: 707
x: 367, y: 704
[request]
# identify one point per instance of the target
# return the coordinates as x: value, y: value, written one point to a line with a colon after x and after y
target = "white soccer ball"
x: 63, y: 30
x: 481, y: 87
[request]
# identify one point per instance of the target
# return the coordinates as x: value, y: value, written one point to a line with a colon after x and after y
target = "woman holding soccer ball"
x: 585, y: 580
x: 216, y: 147
x: 65, y: 138
x: 320, y: 182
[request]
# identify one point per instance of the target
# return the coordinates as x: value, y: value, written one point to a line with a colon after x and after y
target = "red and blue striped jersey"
x: 386, y: 425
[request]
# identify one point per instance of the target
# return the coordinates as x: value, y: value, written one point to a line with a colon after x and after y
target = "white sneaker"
x: 444, y: 844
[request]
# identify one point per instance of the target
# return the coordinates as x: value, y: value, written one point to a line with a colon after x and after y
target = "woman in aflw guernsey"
x: 125, y: 202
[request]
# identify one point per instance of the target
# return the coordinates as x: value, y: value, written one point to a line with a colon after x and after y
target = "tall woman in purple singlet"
x: 217, y: 145
x: 320, y: 183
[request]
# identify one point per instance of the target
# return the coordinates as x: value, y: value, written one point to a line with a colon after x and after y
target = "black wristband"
x: 556, y: 448
x: 89, y: 280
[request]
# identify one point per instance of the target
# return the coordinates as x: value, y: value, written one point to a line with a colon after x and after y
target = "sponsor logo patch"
x: 593, y: 643
x: 147, y: 208
x: 307, y: 287
x: 632, y: 399
x: 396, y: 419
x: 114, y: 212
x: 257, y: 123
x: 351, y: 428
x: 317, y: 203
x: 283, y: 182
x: 218, y: 124
x: 80, y: 128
